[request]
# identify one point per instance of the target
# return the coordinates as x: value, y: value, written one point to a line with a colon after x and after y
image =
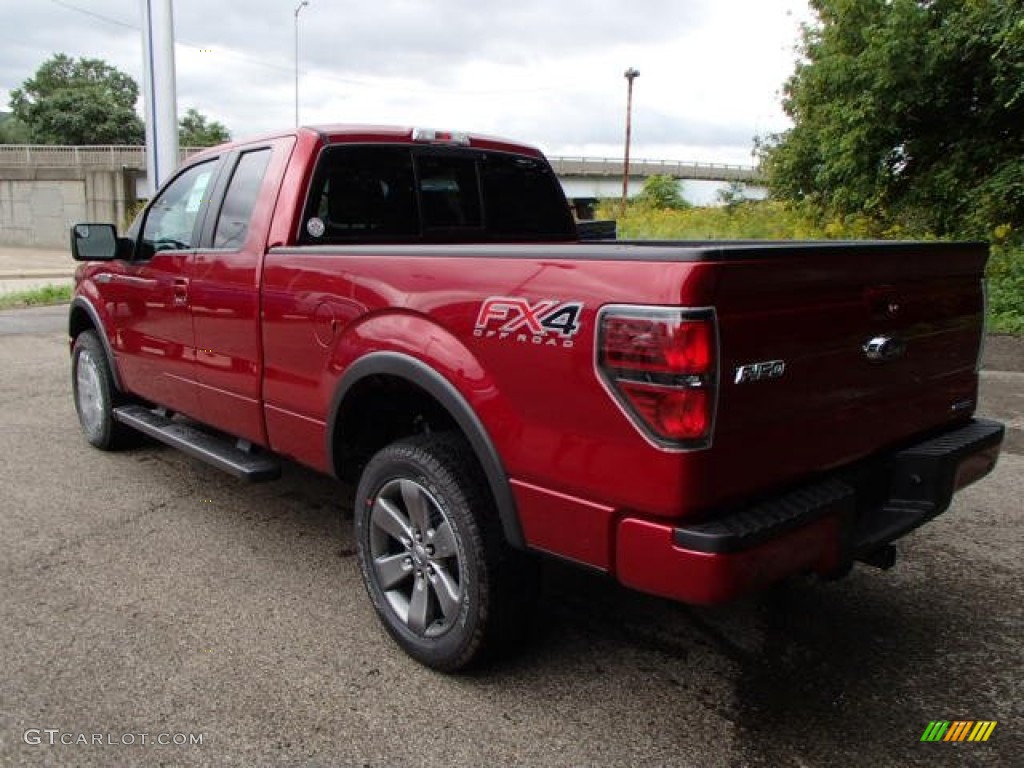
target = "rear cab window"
x: 403, y: 193
x: 235, y: 214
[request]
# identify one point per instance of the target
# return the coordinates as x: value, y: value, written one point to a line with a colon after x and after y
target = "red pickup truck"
x: 415, y: 311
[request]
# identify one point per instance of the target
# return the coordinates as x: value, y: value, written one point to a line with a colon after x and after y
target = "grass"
x: 48, y: 294
x: 775, y: 220
x: 1006, y: 290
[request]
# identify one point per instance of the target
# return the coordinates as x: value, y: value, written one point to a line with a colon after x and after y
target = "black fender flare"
x: 83, y: 304
x: 437, y: 386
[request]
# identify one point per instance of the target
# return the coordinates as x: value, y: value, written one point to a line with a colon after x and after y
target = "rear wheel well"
x: 387, y: 396
x: 377, y: 411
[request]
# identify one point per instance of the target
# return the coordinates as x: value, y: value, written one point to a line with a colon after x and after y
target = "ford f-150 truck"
x: 414, y: 311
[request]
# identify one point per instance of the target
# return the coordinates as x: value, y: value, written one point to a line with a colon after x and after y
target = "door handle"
x: 180, y: 291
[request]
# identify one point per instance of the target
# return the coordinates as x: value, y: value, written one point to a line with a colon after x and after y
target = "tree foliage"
x: 78, y: 101
x: 662, y: 192
x: 11, y: 130
x: 87, y: 101
x: 194, y: 130
x: 908, y: 111
x: 733, y: 195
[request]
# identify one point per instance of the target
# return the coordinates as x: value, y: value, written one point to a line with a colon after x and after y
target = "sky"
x: 547, y: 72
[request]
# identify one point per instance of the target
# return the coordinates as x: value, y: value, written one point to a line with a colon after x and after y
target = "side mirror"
x: 96, y: 242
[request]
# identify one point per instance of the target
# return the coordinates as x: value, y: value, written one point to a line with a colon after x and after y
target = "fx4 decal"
x: 548, y: 322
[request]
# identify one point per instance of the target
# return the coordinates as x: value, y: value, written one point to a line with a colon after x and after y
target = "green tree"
x: 11, y: 130
x: 909, y: 111
x: 662, y: 192
x: 194, y: 130
x: 78, y: 101
x: 733, y: 195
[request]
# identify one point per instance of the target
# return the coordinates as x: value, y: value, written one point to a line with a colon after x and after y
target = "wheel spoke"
x: 416, y: 505
x: 443, y: 540
x: 418, y: 606
x: 449, y: 596
x: 387, y: 517
x: 415, y: 557
x: 392, y: 569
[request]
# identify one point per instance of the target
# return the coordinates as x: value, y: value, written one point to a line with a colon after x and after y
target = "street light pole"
x: 161, y: 92
x: 630, y: 75
x: 298, y: 8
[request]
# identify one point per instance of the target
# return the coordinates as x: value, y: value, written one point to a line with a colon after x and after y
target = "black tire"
x: 96, y: 396
x: 441, y: 577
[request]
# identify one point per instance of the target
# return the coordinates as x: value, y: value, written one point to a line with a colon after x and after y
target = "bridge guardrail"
x: 612, y: 166
x: 100, y: 156
x: 125, y: 156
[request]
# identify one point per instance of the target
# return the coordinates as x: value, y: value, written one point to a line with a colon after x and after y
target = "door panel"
x: 154, y: 341
x: 225, y: 292
x: 151, y: 295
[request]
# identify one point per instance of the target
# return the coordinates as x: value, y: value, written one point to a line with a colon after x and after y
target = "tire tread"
x: 508, y: 578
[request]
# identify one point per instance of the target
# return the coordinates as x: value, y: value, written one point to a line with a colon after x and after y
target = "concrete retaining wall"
x: 38, y: 205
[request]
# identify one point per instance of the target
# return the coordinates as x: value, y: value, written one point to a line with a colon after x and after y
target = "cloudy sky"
x: 549, y: 72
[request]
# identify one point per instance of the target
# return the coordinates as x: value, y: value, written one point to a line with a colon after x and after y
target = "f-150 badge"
x: 548, y: 322
x: 769, y: 369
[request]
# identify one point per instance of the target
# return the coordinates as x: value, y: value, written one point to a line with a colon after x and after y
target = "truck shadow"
x: 806, y: 666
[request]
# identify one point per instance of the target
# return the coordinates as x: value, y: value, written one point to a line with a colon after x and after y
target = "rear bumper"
x: 821, y: 527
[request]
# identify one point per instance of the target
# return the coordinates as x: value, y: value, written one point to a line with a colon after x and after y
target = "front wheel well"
x: 78, y: 322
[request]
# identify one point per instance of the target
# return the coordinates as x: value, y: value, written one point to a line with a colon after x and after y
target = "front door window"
x: 171, y: 222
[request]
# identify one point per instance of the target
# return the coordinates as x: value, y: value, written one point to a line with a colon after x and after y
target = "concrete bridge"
x: 588, y: 178
x: 44, y: 189
x: 97, y: 157
x: 585, y: 167
x: 120, y: 157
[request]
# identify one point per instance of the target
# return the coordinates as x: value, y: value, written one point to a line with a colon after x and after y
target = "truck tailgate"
x: 830, y: 353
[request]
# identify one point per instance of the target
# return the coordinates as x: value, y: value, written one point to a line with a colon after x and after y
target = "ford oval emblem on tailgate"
x: 884, y: 349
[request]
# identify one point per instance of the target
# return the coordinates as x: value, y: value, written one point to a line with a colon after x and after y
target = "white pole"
x: 161, y: 92
x: 298, y: 9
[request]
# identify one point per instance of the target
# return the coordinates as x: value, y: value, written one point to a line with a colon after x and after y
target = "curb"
x: 35, y: 274
x: 1003, y: 353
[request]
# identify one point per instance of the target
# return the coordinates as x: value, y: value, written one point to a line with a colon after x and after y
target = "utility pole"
x: 298, y: 8
x: 630, y: 75
x: 161, y: 93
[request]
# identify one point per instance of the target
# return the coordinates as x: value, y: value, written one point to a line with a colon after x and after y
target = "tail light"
x: 661, y: 365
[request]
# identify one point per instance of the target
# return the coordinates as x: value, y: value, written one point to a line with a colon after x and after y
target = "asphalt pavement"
x: 148, y: 597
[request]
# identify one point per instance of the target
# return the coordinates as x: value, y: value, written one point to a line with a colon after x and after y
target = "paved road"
x: 34, y: 320
x: 146, y: 593
x: 23, y: 269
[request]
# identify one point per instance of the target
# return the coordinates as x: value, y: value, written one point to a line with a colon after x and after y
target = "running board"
x: 218, y: 451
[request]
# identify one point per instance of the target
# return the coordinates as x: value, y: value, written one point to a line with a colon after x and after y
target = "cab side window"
x: 171, y: 220
x: 240, y: 199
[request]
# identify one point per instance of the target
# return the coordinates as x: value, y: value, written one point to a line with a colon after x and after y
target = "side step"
x: 218, y: 451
